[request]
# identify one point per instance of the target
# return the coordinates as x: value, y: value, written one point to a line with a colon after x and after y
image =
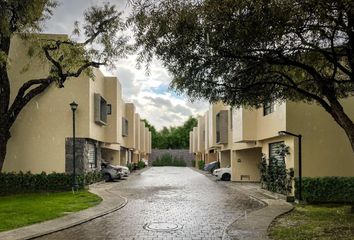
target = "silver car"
x: 111, y: 172
x: 125, y: 170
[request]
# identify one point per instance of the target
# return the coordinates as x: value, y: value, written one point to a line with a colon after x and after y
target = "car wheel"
x: 226, y: 177
x: 107, y: 177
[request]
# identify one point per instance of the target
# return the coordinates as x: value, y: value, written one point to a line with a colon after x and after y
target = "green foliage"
x: 274, y: 175
x: 24, y: 209
x: 327, y: 189
x: 11, y: 183
x: 173, y: 137
x: 249, y: 52
x: 246, y: 53
x: 168, y: 160
x: 320, y: 221
x: 193, y: 163
x: 141, y: 164
x: 263, y: 168
x: 130, y: 166
x: 201, y: 164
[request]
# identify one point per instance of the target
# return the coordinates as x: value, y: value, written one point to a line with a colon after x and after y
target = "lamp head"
x: 73, y: 106
x: 281, y: 133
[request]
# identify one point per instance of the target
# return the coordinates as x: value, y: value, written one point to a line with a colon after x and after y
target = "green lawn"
x: 315, y: 222
x: 24, y: 209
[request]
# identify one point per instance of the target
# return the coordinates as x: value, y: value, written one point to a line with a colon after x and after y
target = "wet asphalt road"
x: 176, y: 196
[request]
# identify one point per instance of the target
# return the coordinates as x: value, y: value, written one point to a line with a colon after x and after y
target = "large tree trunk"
x: 4, y: 138
x: 343, y: 120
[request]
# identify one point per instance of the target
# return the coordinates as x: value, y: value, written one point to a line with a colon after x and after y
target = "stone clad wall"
x: 178, y: 153
x: 81, y: 149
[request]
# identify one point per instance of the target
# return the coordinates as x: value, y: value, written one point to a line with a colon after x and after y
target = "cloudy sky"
x: 150, y: 92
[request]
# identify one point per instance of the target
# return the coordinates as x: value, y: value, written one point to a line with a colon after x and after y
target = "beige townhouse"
x: 144, y: 141
x: 213, y: 135
x: 136, y: 153
x: 325, y: 148
x: 199, y: 138
x: 240, y: 137
x: 191, y: 142
x: 42, y: 135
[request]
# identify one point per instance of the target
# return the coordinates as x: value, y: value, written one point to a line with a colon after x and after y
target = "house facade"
x: 42, y: 135
x: 240, y: 137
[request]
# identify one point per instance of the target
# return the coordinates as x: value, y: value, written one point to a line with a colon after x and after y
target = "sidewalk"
x: 253, y: 225
x: 111, y: 202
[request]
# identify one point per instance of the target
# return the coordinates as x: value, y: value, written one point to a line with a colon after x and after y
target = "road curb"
x: 32, y: 232
x: 272, y: 209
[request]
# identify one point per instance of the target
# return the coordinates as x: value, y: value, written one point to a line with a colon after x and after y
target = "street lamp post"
x: 73, y: 106
x: 299, y: 136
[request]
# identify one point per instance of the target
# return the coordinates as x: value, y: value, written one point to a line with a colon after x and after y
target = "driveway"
x: 166, y: 203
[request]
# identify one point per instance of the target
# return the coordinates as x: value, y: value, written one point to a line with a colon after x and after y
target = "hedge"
x: 327, y: 189
x: 168, y: 160
x: 11, y: 183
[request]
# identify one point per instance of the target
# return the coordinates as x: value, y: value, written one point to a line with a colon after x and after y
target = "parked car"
x: 223, y: 174
x: 211, y: 166
x: 111, y: 172
x: 125, y: 170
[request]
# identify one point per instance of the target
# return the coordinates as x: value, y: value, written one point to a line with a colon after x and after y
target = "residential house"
x: 240, y: 137
x: 326, y: 151
x: 42, y: 135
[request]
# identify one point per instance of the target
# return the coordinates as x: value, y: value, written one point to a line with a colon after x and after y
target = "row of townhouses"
x: 107, y: 128
x: 238, y: 138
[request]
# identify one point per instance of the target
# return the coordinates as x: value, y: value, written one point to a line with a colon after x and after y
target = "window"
x: 268, y: 108
x: 217, y: 123
x: 92, y: 156
x: 109, y: 109
x: 100, y: 110
x: 124, y: 127
x: 222, y: 127
x: 274, y: 149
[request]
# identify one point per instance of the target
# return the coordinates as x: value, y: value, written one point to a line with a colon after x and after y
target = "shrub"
x: 130, y: 166
x: 201, y: 164
x: 274, y: 176
x: 11, y: 183
x: 193, y: 163
x: 327, y: 189
x: 168, y: 160
x: 141, y: 164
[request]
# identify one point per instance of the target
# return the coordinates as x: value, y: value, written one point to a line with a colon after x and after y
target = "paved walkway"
x: 167, y: 203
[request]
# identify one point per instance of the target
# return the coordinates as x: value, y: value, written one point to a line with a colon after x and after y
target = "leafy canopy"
x: 247, y: 52
x: 173, y: 137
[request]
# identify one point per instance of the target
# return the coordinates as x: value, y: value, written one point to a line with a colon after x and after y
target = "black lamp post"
x: 299, y: 136
x: 73, y: 106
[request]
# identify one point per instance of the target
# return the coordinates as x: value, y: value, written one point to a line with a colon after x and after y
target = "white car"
x: 223, y: 174
x: 125, y: 170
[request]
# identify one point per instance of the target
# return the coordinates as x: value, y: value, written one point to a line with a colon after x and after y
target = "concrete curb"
x: 108, y: 205
x: 255, y: 225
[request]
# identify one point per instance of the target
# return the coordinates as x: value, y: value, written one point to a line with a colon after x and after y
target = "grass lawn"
x: 25, y: 209
x: 320, y: 222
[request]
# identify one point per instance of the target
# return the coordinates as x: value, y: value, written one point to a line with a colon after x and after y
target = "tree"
x: 67, y: 58
x: 246, y: 53
x: 173, y: 137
